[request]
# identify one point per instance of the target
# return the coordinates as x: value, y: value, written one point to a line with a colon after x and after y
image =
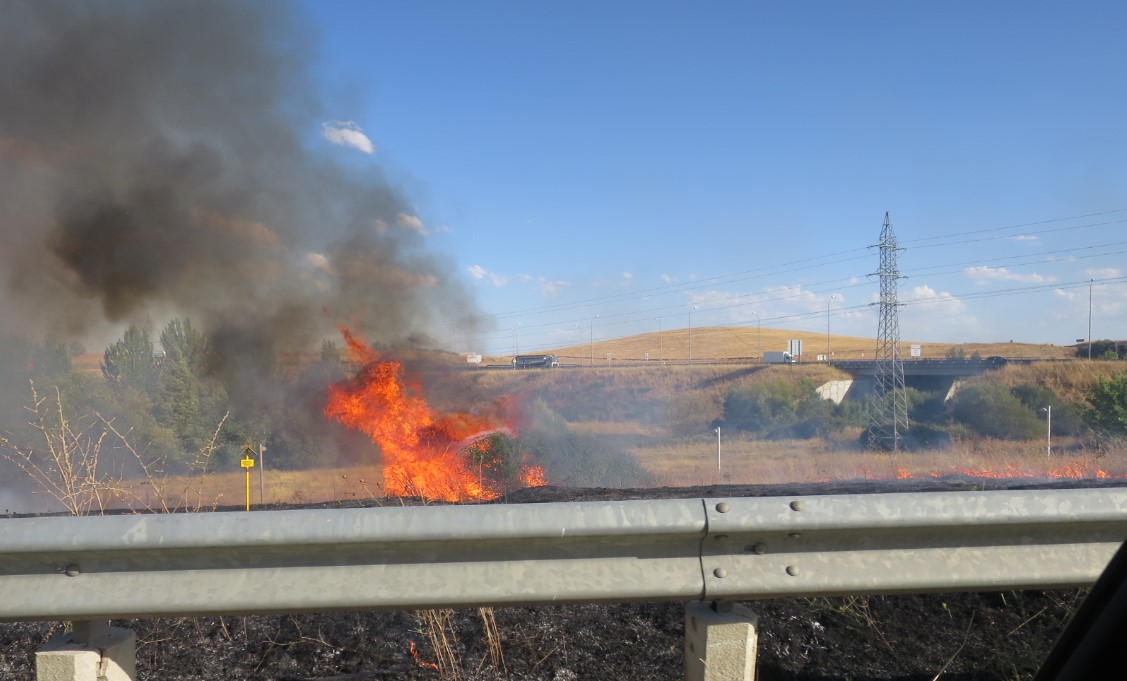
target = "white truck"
x: 778, y: 358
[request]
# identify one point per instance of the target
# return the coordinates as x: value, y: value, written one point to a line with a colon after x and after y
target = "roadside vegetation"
x: 159, y: 422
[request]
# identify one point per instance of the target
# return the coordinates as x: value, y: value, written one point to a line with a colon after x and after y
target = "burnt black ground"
x: 976, y: 636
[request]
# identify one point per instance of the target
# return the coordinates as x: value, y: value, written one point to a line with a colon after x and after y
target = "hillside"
x: 727, y: 343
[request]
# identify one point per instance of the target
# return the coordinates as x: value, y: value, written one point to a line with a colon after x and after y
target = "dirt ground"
x: 959, y: 637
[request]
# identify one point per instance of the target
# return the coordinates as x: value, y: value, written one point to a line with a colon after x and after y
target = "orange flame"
x: 533, y: 476
x: 424, y: 452
x: 420, y: 661
x: 1073, y: 470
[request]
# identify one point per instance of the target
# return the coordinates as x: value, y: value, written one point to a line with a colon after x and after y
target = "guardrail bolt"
x: 796, y: 505
x: 71, y: 570
x: 794, y: 535
x: 720, y: 572
x: 758, y: 549
x: 792, y: 570
x: 722, y: 507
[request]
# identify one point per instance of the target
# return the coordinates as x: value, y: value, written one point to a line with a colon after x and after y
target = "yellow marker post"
x: 247, y: 464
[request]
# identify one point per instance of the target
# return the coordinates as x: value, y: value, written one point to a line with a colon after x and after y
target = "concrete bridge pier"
x: 91, y: 651
x: 720, y: 642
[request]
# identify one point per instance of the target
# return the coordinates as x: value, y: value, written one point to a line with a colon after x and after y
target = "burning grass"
x: 427, y: 454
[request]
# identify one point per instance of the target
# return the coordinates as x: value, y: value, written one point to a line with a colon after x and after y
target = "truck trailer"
x: 778, y: 358
x: 535, y: 362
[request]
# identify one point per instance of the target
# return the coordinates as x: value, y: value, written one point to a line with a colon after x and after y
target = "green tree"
x: 187, y: 401
x: 189, y: 344
x: 52, y: 359
x: 1107, y: 400
x: 129, y: 361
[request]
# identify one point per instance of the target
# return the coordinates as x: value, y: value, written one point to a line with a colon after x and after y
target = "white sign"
x: 915, y: 351
x: 473, y: 359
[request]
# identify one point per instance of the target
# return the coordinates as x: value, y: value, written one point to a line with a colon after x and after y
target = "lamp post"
x: 758, y: 334
x: 1090, y: 318
x: 718, y: 448
x: 1048, y: 411
x: 828, y: 301
x: 591, y: 341
x: 694, y: 307
x: 660, y: 347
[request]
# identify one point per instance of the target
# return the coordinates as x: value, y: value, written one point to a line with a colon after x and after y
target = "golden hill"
x: 724, y: 343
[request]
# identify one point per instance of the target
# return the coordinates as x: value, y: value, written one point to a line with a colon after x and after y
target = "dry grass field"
x: 661, y: 417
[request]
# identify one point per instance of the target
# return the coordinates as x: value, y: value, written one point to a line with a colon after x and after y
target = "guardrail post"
x: 720, y: 642
x: 92, y: 651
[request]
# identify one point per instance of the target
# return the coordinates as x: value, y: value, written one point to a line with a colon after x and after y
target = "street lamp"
x: 694, y: 307
x: 828, y: 301
x: 1048, y: 412
x: 591, y: 341
x: 758, y: 334
x: 1090, y: 318
x: 717, y: 447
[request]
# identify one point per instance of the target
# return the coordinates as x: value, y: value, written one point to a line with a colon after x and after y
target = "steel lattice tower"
x: 890, y: 406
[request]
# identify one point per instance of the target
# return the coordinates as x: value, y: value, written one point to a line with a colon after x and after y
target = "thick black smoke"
x: 155, y: 160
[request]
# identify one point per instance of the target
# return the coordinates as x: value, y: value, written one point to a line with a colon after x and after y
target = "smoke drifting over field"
x: 155, y: 160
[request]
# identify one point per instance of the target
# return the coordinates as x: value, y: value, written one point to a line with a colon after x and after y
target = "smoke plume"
x: 166, y: 158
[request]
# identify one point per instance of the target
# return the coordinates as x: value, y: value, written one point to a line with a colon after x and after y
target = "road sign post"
x: 247, y: 463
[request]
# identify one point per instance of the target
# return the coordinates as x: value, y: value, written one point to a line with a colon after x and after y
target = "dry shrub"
x: 72, y: 464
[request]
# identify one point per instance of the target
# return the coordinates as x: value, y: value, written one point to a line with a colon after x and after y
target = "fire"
x: 533, y: 476
x: 425, y: 453
x: 419, y: 660
x: 1072, y: 470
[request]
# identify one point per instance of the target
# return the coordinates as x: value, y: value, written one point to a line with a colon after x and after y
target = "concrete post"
x: 720, y: 642
x: 92, y: 651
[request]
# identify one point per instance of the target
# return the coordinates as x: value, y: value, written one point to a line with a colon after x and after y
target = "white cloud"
x: 627, y: 278
x: 551, y: 289
x: 668, y: 279
x: 1025, y: 237
x: 937, y: 315
x: 479, y: 272
x: 986, y: 275
x: 411, y: 222
x: 347, y: 134
x: 932, y: 300
x: 1104, y: 273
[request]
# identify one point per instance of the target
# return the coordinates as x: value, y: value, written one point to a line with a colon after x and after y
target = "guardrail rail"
x: 716, y: 549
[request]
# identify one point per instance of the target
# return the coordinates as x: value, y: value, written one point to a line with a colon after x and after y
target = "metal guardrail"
x: 107, y: 567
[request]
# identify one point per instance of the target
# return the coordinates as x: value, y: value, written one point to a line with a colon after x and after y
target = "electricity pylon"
x: 890, y: 406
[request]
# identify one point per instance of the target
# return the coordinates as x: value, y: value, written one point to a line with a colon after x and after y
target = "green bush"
x: 990, y: 409
x: 1067, y: 418
x: 1107, y: 410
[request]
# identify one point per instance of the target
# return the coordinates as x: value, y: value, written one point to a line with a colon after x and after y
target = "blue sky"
x: 632, y: 160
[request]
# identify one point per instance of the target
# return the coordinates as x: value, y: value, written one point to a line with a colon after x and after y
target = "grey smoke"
x: 155, y: 160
